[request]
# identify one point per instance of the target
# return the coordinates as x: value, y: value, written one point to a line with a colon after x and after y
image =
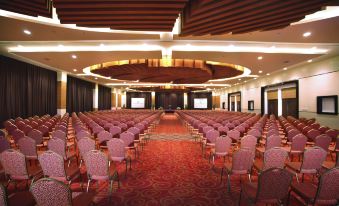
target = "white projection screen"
x: 200, y: 103
x: 137, y: 103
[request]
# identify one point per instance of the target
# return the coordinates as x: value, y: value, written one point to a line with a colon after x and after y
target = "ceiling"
x: 52, y: 44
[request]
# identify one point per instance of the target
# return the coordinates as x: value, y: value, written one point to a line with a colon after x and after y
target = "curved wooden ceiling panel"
x: 28, y: 7
x: 231, y: 16
x: 150, y: 15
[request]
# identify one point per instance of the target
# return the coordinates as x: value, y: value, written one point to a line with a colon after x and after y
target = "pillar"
x: 153, y: 100
x: 265, y: 102
x: 61, y: 92
x: 235, y: 103
x: 279, y: 102
x: 185, y: 101
x: 96, y: 97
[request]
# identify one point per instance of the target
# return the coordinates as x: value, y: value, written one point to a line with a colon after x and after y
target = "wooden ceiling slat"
x: 252, y: 17
x: 76, y: 12
x: 264, y: 16
x: 120, y: 22
x: 31, y: 8
x: 38, y: 11
x: 131, y: 1
x: 113, y: 5
x: 116, y: 18
x: 261, y: 9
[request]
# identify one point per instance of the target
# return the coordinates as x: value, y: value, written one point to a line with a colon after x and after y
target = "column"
x: 185, y: 100
x: 235, y: 103
x: 96, y: 97
x: 113, y: 99
x: 279, y: 102
x: 153, y: 100
x: 265, y: 102
x: 61, y: 92
x: 123, y: 99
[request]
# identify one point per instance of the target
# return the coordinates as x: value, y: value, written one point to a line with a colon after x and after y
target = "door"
x: 273, y: 107
x: 289, y: 107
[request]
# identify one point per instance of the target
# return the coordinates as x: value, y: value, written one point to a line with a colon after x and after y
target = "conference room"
x: 171, y: 102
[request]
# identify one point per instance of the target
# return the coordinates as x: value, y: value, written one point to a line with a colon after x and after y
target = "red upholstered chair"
x: 323, y: 141
x: 242, y: 162
x: 17, y: 134
x: 223, y: 130
x: 37, y: 136
x: 128, y: 139
x: 221, y: 148
x: 312, y: 162
x: 271, y: 188
x: 103, y: 138
x: 18, y: 171
x: 62, y: 135
x: 85, y: 145
x: 82, y: 134
x: 274, y: 157
x: 97, y: 166
x: 312, y: 134
x: 59, y: 146
x: 325, y: 193
x: 52, y: 192
x: 53, y: 166
x: 115, y: 131
x: 211, y: 137
x: 234, y: 135
x: 248, y: 142
x: 335, y: 148
x: 255, y: 132
x: 297, y: 146
x: 117, y: 152
x: 28, y: 147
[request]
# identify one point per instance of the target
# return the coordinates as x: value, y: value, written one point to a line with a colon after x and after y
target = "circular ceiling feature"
x: 177, y: 71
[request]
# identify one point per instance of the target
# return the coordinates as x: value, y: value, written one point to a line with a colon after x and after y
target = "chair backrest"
x: 312, y: 134
x: 58, y: 146
x: 274, y: 157
x: 299, y: 143
x: 313, y: 159
x: 96, y: 164
x: 82, y: 134
x: 27, y: 147
x: 272, y: 141
x: 17, y: 134
x: 242, y: 160
x: 323, y: 141
x: 127, y: 137
x: 212, y: 135
x: 52, y: 165
x: 234, y: 134
x: 222, y: 144
x: 254, y: 132
x: 51, y: 192
x: 206, y: 129
x: 249, y: 142
x: 115, y: 130
x: 292, y: 133
x: 273, y: 184
x: 104, y: 136
x: 116, y: 149
x: 328, y: 187
x: 85, y: 145
x: 4, y: 144
x: 36, y: 135
x: 19, y: 169
x: 59, y: 134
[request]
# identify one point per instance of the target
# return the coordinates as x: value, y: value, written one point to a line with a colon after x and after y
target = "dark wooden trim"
x: 229, y: 102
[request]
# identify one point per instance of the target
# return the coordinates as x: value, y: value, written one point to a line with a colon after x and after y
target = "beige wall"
x: 315, y: 79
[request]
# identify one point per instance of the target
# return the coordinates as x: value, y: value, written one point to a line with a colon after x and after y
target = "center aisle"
x: 169, y: 173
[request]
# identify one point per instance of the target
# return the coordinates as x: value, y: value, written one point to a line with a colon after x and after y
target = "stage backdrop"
x: 169, y: 100
x: 104, y: 97
x: 79, y: 95
x: 192, y: 95
x: 146, y: 95
x: 26, y: 90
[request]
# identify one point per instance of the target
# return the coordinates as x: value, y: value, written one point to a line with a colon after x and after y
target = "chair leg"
x: 228, y: 183
x: 221, y: 174
x: 249, y: 177
x: 89, y: 181
x: 296, y: 175
x: 240, y: 197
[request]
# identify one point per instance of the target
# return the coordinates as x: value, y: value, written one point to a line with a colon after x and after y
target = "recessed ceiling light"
x: 309, y: 60
x: 96, y: 78
x: 102, y: 45
x: 255, y: 78
x: 60, y: 45
x: 259, y: 57
x: 20, y: 45
x: 74, y: 56
x: 260, y: 71
x: 28, y: 32
x: 239, y: 79
x: 285, y: 68
x: 124, y: 82
x: 75, y: 70
x: 307, y: 34
x: 268, y: 74
x: 245, y: 81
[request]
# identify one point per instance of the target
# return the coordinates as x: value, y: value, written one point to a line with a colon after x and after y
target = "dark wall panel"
x: 146, y: 95
x: 79, y: 95
x: 191, y: 96
x: 169, y: 100
x: 26, y: 90
x: 104, y: 98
